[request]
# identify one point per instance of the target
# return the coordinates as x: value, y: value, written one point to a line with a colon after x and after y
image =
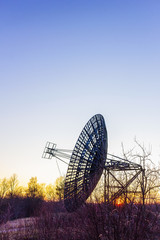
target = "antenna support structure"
x: 86, y: 163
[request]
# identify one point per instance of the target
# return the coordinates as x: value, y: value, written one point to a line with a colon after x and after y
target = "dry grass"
x: 17, y: 228
x: 91, y: 222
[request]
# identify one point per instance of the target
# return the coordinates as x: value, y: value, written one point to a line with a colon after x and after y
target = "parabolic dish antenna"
x: 86, y: 163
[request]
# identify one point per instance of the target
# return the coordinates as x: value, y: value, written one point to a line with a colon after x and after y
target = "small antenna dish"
x: 86, y: 164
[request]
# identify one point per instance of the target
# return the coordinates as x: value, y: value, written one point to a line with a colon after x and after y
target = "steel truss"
x: 113, y: 165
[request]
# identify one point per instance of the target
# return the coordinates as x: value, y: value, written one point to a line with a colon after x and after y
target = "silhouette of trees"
x: 13, y: 186
x: 9, y: 188
x: 59, y: 186
x: 4, y: 186
x: 50, y: 192
x: 151, y: 184
x: 35, y: 190
x: 133, y: 193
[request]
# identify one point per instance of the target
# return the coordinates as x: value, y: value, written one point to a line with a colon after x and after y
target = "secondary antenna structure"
x: 88, y: 161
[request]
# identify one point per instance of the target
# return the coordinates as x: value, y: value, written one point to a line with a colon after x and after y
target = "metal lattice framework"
x: 86, y: 164
x: 88, y: 161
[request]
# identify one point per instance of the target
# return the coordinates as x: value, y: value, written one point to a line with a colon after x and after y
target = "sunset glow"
x: 64, y: 61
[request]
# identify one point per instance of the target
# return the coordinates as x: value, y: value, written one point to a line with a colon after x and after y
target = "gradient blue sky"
x: 61, y: 62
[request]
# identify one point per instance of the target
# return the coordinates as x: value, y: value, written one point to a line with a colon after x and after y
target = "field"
x: 49, y: 220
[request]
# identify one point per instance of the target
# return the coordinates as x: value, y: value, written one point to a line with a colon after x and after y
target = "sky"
x: 61, y: 62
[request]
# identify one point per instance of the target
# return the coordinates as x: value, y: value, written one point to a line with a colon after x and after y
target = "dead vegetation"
x: 91, y: 222
x: 32, y: 218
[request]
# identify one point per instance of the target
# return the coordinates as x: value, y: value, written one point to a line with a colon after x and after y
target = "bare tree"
x: 4, y: 187
x: 149, y: 182
x: 50, y: 192
x: 13, y: 185
x: 59, y: 187
x: 145, y: 187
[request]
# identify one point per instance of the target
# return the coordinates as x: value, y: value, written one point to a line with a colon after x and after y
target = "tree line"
x: 10, y: 188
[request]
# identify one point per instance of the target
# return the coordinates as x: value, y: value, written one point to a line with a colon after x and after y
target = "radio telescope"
x: 88, y: 161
